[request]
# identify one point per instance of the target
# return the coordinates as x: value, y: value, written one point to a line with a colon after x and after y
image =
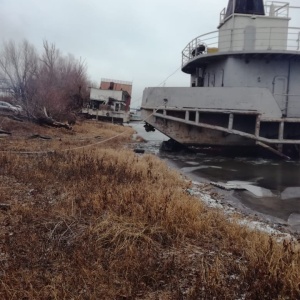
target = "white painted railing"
x: 267, y: 39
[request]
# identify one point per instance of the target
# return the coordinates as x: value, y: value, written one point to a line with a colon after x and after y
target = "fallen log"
x: 43, y: 137
x: 141, y: 151
x: 19, y: 118
x: 4, y: 132
x: 4, y: 206
x: 51, y: 122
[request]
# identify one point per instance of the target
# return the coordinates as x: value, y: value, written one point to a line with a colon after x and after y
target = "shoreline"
x: 227, y: 202
x: 247, y: 217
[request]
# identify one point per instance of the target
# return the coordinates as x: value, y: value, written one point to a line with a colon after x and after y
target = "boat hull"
x: 107, y: 115
x: 221, y: 117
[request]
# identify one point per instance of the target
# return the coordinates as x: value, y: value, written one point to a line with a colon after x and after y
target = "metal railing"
x: 237, y: 40
x: 275, y: 9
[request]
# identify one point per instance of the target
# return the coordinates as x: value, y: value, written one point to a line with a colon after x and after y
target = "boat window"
x: 200, y: 81
x: 250, y: 7
x: 111, y: 85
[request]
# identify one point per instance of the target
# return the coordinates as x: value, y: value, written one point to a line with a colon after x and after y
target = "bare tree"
x: 19, y: 66
x: 63, y: 82
x: 50, y: 85
x: 50, y: 55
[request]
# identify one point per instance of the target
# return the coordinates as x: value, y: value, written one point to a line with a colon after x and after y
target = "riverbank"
x: 84, y: 217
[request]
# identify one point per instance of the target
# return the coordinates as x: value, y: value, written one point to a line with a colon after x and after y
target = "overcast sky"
x: 130, y: 40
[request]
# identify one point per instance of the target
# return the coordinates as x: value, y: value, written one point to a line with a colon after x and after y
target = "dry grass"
x: 24, y: 136
x: 105, y: 223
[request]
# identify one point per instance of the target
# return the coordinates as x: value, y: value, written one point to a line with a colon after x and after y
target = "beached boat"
x: 110, y: 102
x: 135, y: 115
x: 244, y: 90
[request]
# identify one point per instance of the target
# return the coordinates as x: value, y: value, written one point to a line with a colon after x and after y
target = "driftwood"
x: 40, y: 117
x: 4, y: 132
x: 141, y: 151
x: 4, y: 206
x: 43, y: 137
x: 17, y: 118
x: 51, y: 122
x: 45, y: 119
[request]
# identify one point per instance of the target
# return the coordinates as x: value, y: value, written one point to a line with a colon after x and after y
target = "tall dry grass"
x: 104, y: 223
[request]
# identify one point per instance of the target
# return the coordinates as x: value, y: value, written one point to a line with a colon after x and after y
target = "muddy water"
x: 270, y: 187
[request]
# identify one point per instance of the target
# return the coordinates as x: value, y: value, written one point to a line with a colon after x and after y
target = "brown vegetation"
x: 105, y: 223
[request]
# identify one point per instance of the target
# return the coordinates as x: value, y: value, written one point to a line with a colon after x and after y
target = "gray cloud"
x: 139, y: 40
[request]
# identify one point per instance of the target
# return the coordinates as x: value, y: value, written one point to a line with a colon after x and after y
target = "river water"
x: 268, y: 187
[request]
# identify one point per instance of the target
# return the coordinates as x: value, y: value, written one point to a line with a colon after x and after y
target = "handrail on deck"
x: 235, y: 40
x: 275, y: 9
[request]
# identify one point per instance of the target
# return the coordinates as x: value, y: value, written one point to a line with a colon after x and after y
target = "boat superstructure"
x: 244, y: 89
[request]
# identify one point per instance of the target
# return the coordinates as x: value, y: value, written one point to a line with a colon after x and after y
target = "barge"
x: 244, y: 90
